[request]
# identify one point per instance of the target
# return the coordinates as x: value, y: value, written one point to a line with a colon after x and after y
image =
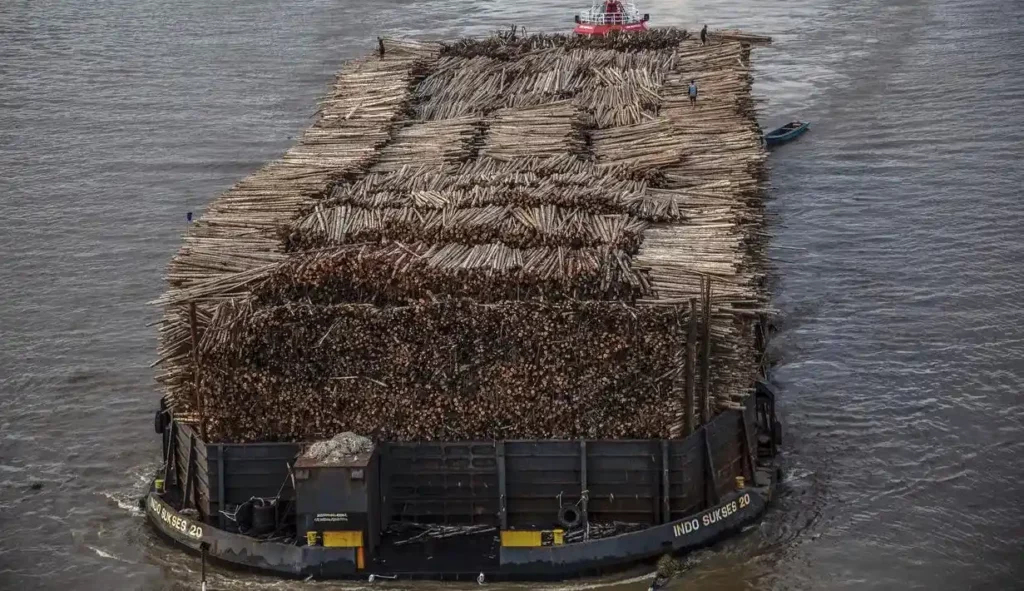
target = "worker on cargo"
x: 692, y: 91
x: 704, y: 35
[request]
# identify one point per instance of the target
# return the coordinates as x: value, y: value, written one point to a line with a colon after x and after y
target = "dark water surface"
x: 899, y: 247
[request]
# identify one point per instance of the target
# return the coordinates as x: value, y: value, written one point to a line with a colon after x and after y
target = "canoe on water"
x: 786, y: 133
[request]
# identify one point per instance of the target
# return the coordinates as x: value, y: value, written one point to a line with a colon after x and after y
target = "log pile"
x: 495, y: 238
x: 562, y: 180
x: 237, y: 236
x: 722, y: 201
x: 395, y: 273
x: 450, y: 370
x: 519, y: 227
x: 433, y: 145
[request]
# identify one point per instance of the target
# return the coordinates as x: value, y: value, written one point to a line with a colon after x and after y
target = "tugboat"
x: 611, y: 16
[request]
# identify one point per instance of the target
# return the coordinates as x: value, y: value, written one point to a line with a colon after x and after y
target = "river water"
x: 898, y: 245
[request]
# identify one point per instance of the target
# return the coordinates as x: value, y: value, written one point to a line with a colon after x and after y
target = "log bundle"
x: 509, y: 237
x: 450, y: 370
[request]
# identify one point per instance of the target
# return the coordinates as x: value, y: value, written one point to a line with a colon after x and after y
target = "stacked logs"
x: 237, y: 236
x: 532, y: 183
x: 511, y: 46
x: 454, y: 370
x: 518, y: 227
x: 433, y: 144
x: 540, y: 131
x: 609, y: 87
x: 396, y: 273
x: 718, y: 192
x: 501, y: 238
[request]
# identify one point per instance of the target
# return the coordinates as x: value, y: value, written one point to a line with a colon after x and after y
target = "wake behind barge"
x: 504, y: 510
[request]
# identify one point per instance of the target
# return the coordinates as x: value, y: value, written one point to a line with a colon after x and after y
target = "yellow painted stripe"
x: 343, y: 539
x: 520, y: 539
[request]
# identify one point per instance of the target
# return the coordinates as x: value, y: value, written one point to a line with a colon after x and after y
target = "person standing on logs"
x: 692, y: 91
x: 704, y: 35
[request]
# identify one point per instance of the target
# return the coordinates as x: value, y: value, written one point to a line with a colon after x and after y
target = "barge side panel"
x: 250, y: 470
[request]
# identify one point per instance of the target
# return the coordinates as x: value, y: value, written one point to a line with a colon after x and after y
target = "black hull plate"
x: 567, y: 561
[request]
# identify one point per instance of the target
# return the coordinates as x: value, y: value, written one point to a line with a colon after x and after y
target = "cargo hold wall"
x: 507, y: 484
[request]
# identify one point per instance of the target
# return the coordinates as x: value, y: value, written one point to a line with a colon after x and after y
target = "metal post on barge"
x: 705, y: 375
x: 194, y: 334
x: 203, y: 549
x: 689, y: 369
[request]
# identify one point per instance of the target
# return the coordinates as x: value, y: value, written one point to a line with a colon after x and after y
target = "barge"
x: 526, y: 274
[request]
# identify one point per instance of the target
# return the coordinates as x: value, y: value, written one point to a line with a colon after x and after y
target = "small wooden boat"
x: 786, y: 133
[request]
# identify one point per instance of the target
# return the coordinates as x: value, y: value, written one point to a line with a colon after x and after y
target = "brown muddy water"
x: 899, y: 242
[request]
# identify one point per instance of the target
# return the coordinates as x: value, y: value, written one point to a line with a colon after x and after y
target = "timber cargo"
x: 528, y: 272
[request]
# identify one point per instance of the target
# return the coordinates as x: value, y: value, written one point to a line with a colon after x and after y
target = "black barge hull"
x: 678, y: 495
x: 544, y: 563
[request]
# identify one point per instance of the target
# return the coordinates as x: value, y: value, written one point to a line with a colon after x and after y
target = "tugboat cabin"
x: 611, y: 16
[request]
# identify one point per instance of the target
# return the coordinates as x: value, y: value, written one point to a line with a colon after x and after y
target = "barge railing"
x: 514, y: 484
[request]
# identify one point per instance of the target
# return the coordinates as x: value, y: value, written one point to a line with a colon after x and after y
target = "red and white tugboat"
x: 610, y: 16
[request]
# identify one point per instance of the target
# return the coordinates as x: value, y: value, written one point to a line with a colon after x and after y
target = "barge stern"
x: 496, y: 508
